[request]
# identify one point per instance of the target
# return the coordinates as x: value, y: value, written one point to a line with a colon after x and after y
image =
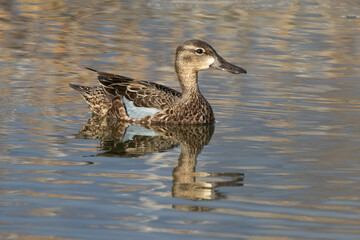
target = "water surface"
x: 281, y: 163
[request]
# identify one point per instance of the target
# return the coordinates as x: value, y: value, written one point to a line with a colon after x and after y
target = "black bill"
x: 223, y: 65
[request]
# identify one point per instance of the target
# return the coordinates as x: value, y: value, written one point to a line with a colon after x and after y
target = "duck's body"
x: 143, y: 102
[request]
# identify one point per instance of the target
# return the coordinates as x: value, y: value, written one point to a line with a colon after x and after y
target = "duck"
x: 143, y: 102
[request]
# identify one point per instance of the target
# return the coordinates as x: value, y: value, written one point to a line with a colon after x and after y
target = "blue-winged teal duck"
x: 142, y: 102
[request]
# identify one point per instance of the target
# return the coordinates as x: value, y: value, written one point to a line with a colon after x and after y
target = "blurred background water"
x: 282, y: 163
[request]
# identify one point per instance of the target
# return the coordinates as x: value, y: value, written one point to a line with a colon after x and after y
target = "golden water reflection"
x: 187, y: 182
x: 292, y: 123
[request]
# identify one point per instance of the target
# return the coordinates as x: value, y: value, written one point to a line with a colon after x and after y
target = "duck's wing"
x: 141, y: 93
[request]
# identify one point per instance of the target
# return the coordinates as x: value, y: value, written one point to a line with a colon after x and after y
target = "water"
x: 282, y: 163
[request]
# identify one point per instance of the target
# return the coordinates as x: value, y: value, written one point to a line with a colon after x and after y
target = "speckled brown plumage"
x: 187, y: 107
x: 142, y: 93
x: 195, y: 109
x: 95, y: 97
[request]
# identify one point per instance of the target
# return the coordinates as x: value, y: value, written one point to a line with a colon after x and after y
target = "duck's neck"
x: 188, y: 80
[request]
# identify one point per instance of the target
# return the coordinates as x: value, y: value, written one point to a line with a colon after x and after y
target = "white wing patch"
x: 138, y: 112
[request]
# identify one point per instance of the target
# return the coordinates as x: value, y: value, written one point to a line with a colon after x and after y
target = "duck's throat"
x: 188, y: 82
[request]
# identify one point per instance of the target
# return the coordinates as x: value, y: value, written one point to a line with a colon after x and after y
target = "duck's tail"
x: 76, y: 87
x: 95, y: 97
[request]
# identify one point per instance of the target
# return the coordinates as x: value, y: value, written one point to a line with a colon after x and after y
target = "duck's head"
x: 195, y: 55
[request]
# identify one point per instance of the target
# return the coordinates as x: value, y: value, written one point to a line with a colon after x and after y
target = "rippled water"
x: 282, y: 163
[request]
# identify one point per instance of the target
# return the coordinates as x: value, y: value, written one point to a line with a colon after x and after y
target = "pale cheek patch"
x: 211, y: 61
x: 208, y: 62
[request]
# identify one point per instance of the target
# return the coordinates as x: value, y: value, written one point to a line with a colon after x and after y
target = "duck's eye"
x: 200, y: 51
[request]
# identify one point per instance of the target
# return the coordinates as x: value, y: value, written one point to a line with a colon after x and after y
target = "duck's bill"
x: 223, y: 65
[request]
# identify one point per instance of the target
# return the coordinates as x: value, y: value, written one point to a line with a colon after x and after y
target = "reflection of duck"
x: 187, y: 182
x: 120, y: 139
x: 143, y: 102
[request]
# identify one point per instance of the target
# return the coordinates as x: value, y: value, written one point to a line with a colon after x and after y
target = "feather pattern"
x: 95, y: 97
x: 142, y: 93
x: 143, y: 102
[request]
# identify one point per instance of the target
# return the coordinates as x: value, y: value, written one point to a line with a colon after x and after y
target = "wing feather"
x: 142, y: 93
